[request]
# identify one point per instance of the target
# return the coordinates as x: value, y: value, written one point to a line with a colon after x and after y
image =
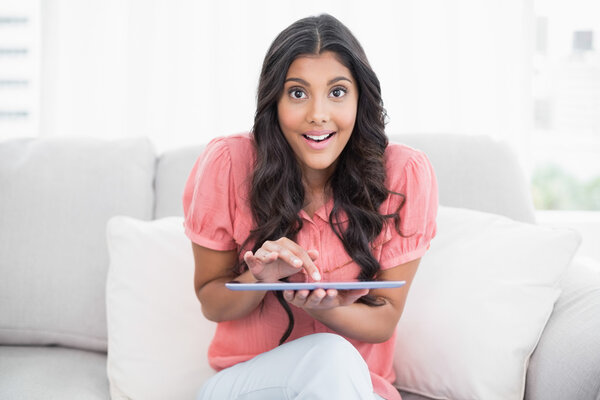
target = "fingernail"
x: 297, y: 261
x: 316, y: 276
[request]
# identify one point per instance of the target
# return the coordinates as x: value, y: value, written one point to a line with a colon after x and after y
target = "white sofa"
x: 56, y: 196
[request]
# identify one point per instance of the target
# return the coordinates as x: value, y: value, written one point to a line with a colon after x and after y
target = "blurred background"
x: 184, y: 71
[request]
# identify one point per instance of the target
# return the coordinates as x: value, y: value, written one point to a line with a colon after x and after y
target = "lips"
x: 318, y: 140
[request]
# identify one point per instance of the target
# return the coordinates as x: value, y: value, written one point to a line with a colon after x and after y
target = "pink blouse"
x: 218, y: 217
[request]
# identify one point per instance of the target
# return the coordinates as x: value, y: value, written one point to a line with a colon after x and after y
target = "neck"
x: 315, y: 181
x: 314, y: 185
x: 315, y: 189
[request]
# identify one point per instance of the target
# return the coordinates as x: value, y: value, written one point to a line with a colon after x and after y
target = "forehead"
x: 313, y: 67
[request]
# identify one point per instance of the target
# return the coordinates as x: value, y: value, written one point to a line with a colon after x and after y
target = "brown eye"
x: 297, y: 93
x: 338, y: 92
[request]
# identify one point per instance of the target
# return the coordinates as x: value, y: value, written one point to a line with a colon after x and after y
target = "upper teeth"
x: 322, y: 137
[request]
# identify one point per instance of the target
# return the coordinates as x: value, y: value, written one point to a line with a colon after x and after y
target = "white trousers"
x: 318, y: 366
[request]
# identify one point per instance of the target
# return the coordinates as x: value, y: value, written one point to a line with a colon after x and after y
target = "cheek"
x: 346, y: 118
x: 289, y: 117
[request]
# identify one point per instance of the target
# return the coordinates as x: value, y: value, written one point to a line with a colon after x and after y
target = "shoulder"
x: 403, y: 163
x: 236, y: 150
x: 233, y: 145
x: 397, y: 154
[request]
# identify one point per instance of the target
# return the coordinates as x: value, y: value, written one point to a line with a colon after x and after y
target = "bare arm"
x: 213, y: 270
x: 273, y: 261
x: 339, y: 311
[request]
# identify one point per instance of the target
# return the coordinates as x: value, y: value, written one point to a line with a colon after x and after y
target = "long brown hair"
x: 358, y: 182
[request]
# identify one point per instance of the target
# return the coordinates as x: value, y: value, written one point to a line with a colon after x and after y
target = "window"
x: 19, y: 68
x: 566, y: 90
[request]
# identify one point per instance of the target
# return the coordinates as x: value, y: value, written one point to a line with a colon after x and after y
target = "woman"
x: 313, y: 193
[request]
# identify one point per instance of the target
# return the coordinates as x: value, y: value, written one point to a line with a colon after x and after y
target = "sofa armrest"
x: 566, y: 362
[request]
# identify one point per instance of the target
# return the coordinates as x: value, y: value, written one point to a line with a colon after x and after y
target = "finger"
x: 265, y: 256
x: 285, y: 245
x: 315, y: 298
x: 301, y: 296
x: 307, y: 262
x: 312, y: 270
x: 283, y: 253
x: 257, y: 258
x: 295, y: 300
x: 288, y: 295
x: 313, y: 254
x: 290, y: 258
x: 249, y: 258
x: 330, y: 299
x: 255, y: 266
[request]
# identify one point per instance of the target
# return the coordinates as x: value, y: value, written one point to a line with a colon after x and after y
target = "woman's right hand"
x: 281, y: 258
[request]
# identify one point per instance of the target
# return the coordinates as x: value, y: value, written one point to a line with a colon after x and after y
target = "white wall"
x: 184, y: 71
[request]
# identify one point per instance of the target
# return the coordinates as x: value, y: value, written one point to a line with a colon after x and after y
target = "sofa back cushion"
x: 56, y: 197
x: 172, y: 170
x: 476, y: 172
x: 473, y: 172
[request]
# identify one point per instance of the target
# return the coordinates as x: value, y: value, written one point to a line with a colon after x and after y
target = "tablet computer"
x: 314, y: 285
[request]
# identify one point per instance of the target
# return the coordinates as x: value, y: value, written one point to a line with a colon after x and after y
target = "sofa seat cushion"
x: 412, y: 396
x: 52, y: 373
x: 566, y: 364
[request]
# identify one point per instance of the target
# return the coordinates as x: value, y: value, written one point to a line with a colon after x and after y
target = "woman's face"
x: 317, y: 111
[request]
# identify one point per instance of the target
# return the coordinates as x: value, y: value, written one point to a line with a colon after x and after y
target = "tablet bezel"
x: 314, y: 285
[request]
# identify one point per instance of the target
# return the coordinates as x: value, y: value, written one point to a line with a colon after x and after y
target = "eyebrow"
x: 331, y: 82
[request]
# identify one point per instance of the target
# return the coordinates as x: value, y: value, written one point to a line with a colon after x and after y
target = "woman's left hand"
x: 322, y: 299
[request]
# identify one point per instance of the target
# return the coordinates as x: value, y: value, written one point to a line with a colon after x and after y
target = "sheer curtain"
x: 184, y: 71
x: 20, y: 46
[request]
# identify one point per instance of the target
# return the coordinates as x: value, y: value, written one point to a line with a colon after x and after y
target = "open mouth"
x: 320, y: 138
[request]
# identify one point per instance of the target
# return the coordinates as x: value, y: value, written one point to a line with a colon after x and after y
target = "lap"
x: 316, y: 366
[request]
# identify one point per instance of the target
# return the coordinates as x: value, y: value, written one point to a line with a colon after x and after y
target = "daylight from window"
x: 566, y: 91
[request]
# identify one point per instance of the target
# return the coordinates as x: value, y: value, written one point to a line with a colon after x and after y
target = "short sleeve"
x: 416, y: 181
x: 209, y: 199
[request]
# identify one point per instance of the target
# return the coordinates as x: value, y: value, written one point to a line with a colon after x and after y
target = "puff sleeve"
x: 417, y: 182
x: 209, y: 199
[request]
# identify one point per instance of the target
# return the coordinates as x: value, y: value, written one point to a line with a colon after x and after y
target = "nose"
x: 318, y: 112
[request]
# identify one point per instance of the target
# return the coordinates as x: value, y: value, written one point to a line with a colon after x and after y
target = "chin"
x: 319, y: 165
